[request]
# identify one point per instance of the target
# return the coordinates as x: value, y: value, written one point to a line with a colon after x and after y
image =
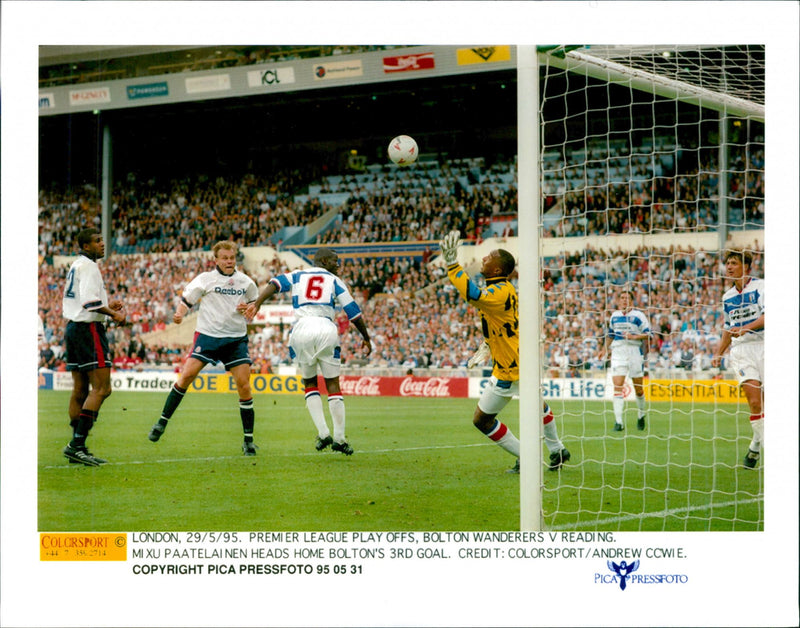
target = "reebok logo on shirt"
x: 231, y: 291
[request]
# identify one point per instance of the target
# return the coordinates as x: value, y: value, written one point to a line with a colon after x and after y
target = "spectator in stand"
x: 687, y: 356
x: 47, y: 358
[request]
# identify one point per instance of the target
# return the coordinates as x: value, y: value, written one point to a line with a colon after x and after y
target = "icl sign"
x: 261, y: 78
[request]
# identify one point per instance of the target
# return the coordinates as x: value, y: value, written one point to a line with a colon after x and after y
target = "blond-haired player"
x: 220, y: 336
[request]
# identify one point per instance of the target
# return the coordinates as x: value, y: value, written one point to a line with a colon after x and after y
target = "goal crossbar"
x: 612, y: 71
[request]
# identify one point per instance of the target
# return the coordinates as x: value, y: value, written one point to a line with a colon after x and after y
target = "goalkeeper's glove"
x: 480, y: 356
x: 449, y: 246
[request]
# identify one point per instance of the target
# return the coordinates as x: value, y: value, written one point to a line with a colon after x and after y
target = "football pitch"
x: 419, y: 464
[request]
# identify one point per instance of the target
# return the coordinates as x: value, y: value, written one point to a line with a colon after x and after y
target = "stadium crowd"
x: 679, y: 290
x: 390, y: 205
x: 622, y: 194
x: 414, y: 315
x: 151, y: 216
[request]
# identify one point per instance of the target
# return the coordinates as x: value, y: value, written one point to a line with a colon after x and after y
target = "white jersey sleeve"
x: 194, y: 290
x: 84, y: 292
x: 317, y: 292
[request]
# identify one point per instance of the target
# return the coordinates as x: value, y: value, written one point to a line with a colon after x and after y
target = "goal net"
x: 651, y: 165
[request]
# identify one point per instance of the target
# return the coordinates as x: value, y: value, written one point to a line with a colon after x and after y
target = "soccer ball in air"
x: 403, y: 150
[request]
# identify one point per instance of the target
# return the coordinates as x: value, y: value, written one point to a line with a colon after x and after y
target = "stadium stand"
x: 413, y: 313
x: 649, y: 189
x: 161, y: 226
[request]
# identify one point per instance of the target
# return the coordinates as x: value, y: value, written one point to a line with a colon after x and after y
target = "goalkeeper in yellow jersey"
x: 497, y: 304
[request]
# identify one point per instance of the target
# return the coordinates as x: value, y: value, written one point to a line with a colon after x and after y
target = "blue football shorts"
x: 230, y: 351
x: 86, y: 346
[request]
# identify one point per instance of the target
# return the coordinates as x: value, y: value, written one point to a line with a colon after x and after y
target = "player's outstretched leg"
x: 174, y: 399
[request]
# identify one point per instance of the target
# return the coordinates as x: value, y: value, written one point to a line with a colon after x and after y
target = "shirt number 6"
x: 314, y: 288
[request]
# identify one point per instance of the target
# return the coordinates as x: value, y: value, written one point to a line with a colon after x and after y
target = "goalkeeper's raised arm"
x: 497, y: 303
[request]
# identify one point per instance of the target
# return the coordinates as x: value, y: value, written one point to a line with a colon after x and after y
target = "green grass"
x: 419, y: 464
x: 683, y: 472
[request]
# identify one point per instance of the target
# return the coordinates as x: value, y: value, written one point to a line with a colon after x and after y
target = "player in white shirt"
x: 628, y: 336
x: 220, y: 336
x: 85, y: 305
x: 314, y: 340
x: 743, y: 332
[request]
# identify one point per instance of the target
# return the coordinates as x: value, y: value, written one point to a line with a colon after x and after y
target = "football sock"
x: 248, y: 418
x: 85, y: 422
x: 618, y: 404
x: 174, y: 399
x: 640, y: 405
x: 551, y: 439
x: 336, y: 406
x: 503, y: 436
x: 757, y: 423
x: 314, y: 407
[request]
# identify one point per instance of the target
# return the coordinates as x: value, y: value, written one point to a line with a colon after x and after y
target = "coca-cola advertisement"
x: 407, y: 63
x: 408, y: 386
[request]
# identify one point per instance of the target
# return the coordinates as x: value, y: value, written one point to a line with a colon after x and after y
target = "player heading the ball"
x: 314, y: 339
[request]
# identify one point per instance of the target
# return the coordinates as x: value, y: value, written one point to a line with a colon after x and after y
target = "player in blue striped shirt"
x: 743, y: 332
x: 314, y: 341
x: 627, y: 337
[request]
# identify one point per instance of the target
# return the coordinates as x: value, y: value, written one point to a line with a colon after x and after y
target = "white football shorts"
x: 314, y: 346
x: 627, y: 360
x: 496, y: 395
x: 747, y: 360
